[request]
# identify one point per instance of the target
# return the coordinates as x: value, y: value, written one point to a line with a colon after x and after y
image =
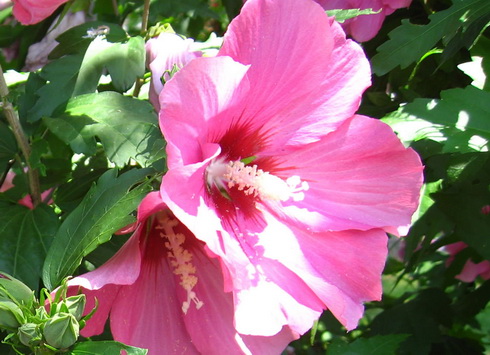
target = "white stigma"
x: 254, y: 181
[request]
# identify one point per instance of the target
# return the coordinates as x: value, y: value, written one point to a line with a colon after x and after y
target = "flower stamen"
x: 180, y: 259
x: 254, y: 181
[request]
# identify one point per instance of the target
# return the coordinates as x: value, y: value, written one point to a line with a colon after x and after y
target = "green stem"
x: 115, y: 8
x: 144, y: 20
x: 13, y: 120
x: 144, y: 28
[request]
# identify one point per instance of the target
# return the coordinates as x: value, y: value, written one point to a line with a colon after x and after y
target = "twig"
x: 13, y: 120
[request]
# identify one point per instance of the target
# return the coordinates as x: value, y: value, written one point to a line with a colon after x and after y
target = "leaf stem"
x: 13, y: 120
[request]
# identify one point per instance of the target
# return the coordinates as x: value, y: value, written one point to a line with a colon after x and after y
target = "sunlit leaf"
x: 106, y: 348
x: 342, y: 15
x: 79, y: 73
x: 60, y: 77
x: 78, y: 38
x: 459, y: 119
x: 127, y: 127
x: 124, y: 62
x: 409, y: 42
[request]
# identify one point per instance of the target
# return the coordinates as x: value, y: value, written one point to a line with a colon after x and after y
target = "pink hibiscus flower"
x: 164, y: 53
x: 365, y: 27
x: 30, y: 12
x: 164, y: 292
x: 26, y: 201
x: 37, y: 55
x: 269, y: 166
x: 471, y: 270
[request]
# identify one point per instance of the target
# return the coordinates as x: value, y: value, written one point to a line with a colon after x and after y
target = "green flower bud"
x: 76, y: 305
x: 61, y: 331
x: 29, y: 334
x: 11, y: 315
x: 16, y: 290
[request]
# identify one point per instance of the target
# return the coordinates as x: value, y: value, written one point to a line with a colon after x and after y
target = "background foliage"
x: 100, y: 152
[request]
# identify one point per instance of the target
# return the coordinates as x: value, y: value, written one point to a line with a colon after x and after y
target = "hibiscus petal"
x: 350, y: 261
x: 212, y: 326
x: 194, y: 105
x: 471, y: 271
x: 29, y: 12
x: 360, y: 177
x: 296, y: 79
x: 148, y: 314
x: 151, y: 204
x: 189, y: 203
x: 365, y: 27
x: 269, y: 345
x: 165, y: 52
x: 333, y: 265
x: 104, y: 283
x: 265, y: 308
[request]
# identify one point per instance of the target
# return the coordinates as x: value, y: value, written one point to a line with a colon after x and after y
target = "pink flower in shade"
x: 365, y: 27
x: 165, y: 52
x: 4, y: 4
x: 37, y: 55
x: 470, y: 270
x: 164, y: 292
x: 30, y: 12
x: 269, y: 166
x: 26, y: 200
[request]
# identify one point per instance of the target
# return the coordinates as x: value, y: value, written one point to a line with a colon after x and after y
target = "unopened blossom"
x: 164, y: 291
x: 37, y: 55
x: 364, y: 27
x: 166, y: 54
x: 272, y: 169
x: 30, y: 12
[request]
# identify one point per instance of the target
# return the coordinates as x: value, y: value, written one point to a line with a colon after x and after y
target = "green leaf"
x: 124, y: 62
x: 79, y: 73
x: 232, y: 7
x: 70, y: 194
x: 467, y: 34
x: 78, y: 38
x: 60, y: 78
x: 376, y: 345
x: 482, y: 49
x: 422, y: 318
x: 469, y: 305
x: 459, y: 119
x: 106, y: 348
x: 342, y: 15
x: 471, y: 226
x: 9, y: 34
x: 126, y: 127
x: 8, y: 145
x: 409, y: 42
x: 26, y: 237
x: 106, y: 208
